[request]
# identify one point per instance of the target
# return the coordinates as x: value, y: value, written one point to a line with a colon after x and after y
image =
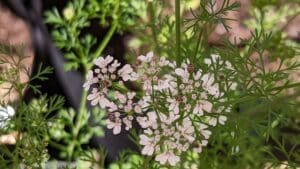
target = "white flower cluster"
x: 175, y: 108
x: 5, y: 114
x: 104, y: 75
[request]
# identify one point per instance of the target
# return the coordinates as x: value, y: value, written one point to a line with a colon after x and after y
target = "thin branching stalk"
x: 109, y: 34
x: 178, y: 32
x: 198, y: 42
x: 106, y: 40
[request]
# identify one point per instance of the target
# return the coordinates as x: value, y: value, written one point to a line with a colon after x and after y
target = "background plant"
x: 30, y: 122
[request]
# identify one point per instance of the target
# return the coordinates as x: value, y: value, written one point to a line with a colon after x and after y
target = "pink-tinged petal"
x: 146, y: 58
x: 112, y: 107
x: 109, y: 59
x: 104, y: 102
x: 98, y: 61
x: 144, y: 140
x: 198, y: 110
x: 206, y: 133
x: 138, y: 109
x: 95, y: 102
x: 198, y: 149
x: 148, y: 150
x: 149, y: 54
x: 213, y: 90
x: 152, y: 116
x: 117, y: 130
x: 205, y: 78
x: 204, y: 142
x: 133, y: 76
x: 91, y: 96
x: 190, y: 138
x: 86, y: 86
x: 210, y: 81
x: 197, y: 76
x: 202, y: 126
x: 122, y: 98
x: 126, y: 77
x: 180, y: 72
x: 207, y: 106
x: 213, y: 121
x: 162, y: 158
x: 109, y: 124
x: 141, y: 58
x: 145, y: 150
x: 222, y: 119
x: 173, y: 160
x: 131, y: 95
x: 176, y: 108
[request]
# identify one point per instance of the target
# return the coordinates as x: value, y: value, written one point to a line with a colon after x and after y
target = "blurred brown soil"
x: 14, y: 31
x: 239, y: 30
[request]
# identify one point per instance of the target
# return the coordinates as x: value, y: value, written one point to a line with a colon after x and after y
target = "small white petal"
x: 173, y: 160
x: 207, y: 106
x: 10, y: 111
x: 179, y: 72
x: 117, y: 130
x: 162, y: 158
x: 222, y: 119
x: 213, y: 121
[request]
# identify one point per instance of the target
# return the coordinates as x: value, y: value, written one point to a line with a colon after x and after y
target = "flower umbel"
x: 175, y: 108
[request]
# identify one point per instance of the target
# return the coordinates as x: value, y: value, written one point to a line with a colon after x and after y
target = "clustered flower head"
x: 175, y: 108
x: 5, y: 114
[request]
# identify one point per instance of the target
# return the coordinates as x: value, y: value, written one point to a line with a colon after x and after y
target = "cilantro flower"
x: 175, y: 108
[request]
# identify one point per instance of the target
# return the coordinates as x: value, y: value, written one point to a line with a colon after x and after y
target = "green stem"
x: 152, y: 25
x: 109, y: 34
x: 285, y: 87
x: 177, y: 20
x: 249, y: 98
x: 97, y: 53
x: 79, y: 50
x: 82, y: 110
x: 83, y: 102
x: 106, y: 40
x: 198, y: 42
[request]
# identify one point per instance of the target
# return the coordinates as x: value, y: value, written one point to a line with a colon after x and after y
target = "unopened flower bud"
x: 68, y: 13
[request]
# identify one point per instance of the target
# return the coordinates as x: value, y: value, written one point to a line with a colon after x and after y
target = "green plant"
x: 77, y: 134
x: 30, y: 122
